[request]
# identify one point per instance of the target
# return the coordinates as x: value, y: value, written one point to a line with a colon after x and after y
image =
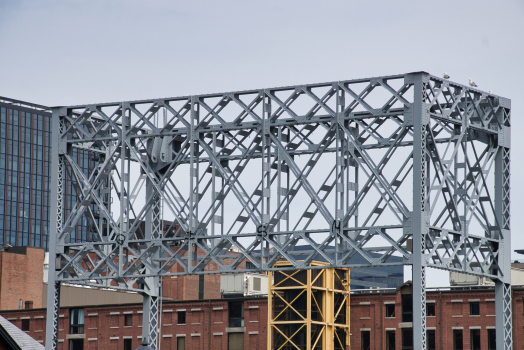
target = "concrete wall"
x: 72, y: 296
x: 463, y: 279
x: 517, y: 276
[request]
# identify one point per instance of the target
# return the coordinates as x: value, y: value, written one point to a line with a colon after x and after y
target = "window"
x: 76, y: 325
x: 390, y: 311
x: 181, y: 343
x: 128, y: 320
x: 365, y: 340
x: 492, y: 343
x: 475, y: 339
x: 457, y: 340
x: 127, y: 344
x: 430, y: 340
x: 200, y: 287
x: 236, y: 314
x: 25, y: 324
x: 235, y: 341
x: 390, y: 340
x: 474, y: 308
x: 430, y: 309
x: 250, y: 265
x: 407, y: 308
x: 407, y: 339
x: 76, y: 344
x: 181, y: 317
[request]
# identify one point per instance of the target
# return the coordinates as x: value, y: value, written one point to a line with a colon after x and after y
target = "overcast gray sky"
x: 73, y: 52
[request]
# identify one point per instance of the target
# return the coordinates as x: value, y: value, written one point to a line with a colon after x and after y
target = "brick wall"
x: 187, y: 287
x: 105, y: 327
x: 452, y: 311
x: 21, y: 277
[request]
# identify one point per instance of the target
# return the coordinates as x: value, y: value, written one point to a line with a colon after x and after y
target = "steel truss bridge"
x: 410, y: 165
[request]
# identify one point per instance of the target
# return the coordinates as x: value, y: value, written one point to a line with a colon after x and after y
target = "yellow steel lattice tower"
x: 308, y: 309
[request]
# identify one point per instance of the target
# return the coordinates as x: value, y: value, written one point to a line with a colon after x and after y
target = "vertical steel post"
x: 193, y: 182
x: 266, y: 168
x: 56, y: 212
x: 151, y: 295
x: 150, y: 320
x: 502, y: 209
x: 341, y: 164
x: 419, y: 215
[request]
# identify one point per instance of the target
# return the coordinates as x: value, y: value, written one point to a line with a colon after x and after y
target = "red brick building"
x: 21, y: 277
x: 456, y: 319
x: 190, y: 287
x: 200, y: 324
x: 379, y: 320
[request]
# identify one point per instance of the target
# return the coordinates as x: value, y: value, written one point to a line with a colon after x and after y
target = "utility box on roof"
x: 243, y: 284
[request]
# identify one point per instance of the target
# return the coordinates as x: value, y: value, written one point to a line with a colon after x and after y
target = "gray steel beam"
x: 419, y: 221
x: 503, y: 294
x: 246, y: 160
x: 55, y: 213
x: 150, y: 285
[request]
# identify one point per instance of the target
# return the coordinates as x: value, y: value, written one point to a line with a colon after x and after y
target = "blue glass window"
x: 13, y: 223
x: 14, y: 164
x: 14, y: 116
x: 40, y: 122
x: 11, y: 238
x: 14, y: 148
x: 25, y: 239
x: 15, y: 133
x: 28, y: 120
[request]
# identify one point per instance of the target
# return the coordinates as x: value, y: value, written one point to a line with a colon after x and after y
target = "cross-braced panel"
x: 248, y: 176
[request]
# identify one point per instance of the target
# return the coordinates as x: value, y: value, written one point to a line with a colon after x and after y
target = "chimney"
x: 29, y: 304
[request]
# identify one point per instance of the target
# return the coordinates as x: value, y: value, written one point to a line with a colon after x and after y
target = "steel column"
x: 56, y: 215
x: 503, y: 293
x: 150, y: 307
x: 419, y: 221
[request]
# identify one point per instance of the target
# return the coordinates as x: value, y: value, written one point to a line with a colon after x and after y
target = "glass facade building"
x: 376, y: 277
x: 365, y: 278
x: 25, y: 166
x: 25, y: 151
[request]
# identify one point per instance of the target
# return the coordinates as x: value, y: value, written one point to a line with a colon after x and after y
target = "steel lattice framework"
x: 409, y: 165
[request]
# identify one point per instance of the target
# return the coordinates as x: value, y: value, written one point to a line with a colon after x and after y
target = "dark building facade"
x: 367, y: 277
x: 25, y: 151
x: 25, y: 169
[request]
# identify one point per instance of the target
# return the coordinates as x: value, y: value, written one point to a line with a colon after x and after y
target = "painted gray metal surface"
x: 407, y: 165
